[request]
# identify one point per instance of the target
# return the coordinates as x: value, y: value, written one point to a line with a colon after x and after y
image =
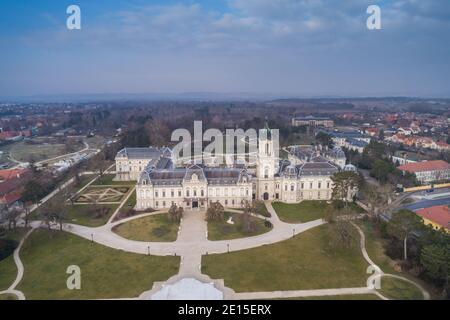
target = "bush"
x: 7, y: 248
x: 268, y: 224
x: 160, y: 231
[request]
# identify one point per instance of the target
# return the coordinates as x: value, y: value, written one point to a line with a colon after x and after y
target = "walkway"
x: 20, y: 271
x: 192, y: 243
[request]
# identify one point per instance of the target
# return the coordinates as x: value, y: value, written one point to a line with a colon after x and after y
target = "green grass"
x: 307, y: 210
x: 105, y: 272
x: 307, y: 261
x: 375, y: 245
x: 80, y: 214
x: 398, y: 289
x: 131, y: 202
x: 8, y: 269
x: 8, y: 296
x: 8, y: 272
x: 107, y: 180
x: 375, y: 248
x: 221, y: 230
x: 152, y: 228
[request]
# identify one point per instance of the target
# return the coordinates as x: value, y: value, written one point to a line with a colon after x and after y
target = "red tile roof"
x: 425, y: 166
x: 437, y: 214
x: 8, y: 174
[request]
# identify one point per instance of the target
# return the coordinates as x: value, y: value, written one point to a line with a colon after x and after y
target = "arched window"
x: 266, y: 173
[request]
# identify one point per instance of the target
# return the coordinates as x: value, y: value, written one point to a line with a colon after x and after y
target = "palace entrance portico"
x: 195, y: 203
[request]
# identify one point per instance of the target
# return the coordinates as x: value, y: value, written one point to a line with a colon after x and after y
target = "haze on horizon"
x: 291, y: 47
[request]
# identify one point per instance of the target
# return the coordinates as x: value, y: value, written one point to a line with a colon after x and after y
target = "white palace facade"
x: 305, y: 175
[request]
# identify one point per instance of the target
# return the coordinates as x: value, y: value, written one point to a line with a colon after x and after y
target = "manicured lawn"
x: 105, y: 272
x: 8, y: 297
x: 307, y: 261
x: 152, y: 228
x: 8, y: 269
x: 107, y: 180
x: 307, y: 210
x: 221, y: 230
x: 301, y: 212
x: 82, y: 214
x: 398, y: 289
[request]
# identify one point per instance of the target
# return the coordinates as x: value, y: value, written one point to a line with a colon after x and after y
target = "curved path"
x: 192, y: 243
x: 20, y: 270
x: 192, y: 236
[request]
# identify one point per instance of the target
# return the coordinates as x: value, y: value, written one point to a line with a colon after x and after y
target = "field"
x: 307, y: 261
x: 307, y: 210
x: 156, y: 228
x: 105, y: 273
x: 40, y: 150
x: 221, y: 230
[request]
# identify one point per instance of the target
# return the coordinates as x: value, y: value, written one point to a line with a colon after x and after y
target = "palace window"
x: 187, y: 193
x: 156, y: 194
x: 292, y: 187
x: 202, y: 193
x: 320, y: 185
x: 310, y: 185
x: 172, y: 193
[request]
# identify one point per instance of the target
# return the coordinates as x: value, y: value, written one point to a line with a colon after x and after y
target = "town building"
x: 313, y: 121
x: 12, y: 182
x: 437, y: 216
x: 130, y: 162
x: 428, y: 171
x: 405, y: 157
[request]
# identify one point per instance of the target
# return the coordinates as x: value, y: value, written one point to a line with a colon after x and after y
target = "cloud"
x: 270, y: 45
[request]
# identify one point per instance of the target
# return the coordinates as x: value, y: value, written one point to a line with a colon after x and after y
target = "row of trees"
x: 425, y: 251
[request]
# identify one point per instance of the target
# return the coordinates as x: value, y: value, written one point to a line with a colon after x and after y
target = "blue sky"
x: 295, y: 47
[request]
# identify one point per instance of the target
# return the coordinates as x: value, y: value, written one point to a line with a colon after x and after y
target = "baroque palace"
x: 305, y: 175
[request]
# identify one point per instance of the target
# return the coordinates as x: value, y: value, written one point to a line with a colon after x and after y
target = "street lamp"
x: 92, y: 237
x: 228, y: 247
x: 148, y: 250
x: 293, y: 233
